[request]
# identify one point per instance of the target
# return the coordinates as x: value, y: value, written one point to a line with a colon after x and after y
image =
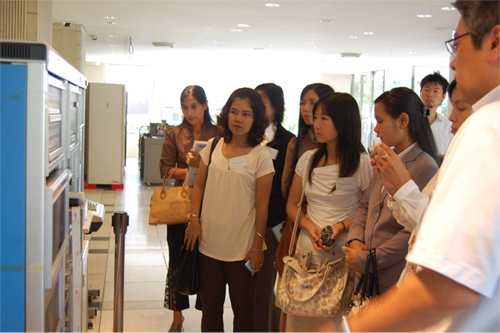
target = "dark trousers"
x: 215, y: 274
x: 266, y: 315
x: 173, y: 300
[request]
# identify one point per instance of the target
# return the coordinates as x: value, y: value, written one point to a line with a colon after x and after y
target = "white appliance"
x: 105, y: 151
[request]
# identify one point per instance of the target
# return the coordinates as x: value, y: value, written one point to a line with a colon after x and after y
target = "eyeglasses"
x: 452, y: 48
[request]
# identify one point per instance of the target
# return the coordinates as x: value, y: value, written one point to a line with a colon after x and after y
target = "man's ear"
x: 492, y: 41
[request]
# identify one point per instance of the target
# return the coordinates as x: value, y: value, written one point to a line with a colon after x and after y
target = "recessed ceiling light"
x: 218, y: 41
x: 325, y: 21
x: 424, y: 15
x: 448, y: 8
x: 243, y: 25
x: 112, y: 36
x: 259, y: 48
x: 353, y: 37
x: 412, y: 52
x: 368, y: 33
x: 110, y: 22
x: 109, y: 17
x: 317, y: 47
x: 114, y: 45
x: 236, y: 30
x: 272, y: 5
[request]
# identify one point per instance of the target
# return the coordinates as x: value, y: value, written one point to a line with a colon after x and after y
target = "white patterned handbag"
x: 312, y: 290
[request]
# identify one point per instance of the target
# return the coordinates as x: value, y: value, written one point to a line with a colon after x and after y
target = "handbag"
x: 322, y: 290
x: 186, y: 276
x: 367, y: 287
x: 170, y: 205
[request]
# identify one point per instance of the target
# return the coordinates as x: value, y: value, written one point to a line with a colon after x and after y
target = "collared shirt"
x: 441, y: 129
x: 460, y: 232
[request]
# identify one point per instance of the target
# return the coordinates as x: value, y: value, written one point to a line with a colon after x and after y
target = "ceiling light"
x: 448, y: 8
x: 244, y: 25
x: 424, y: 15
x: 218, y: 41
x: 317, y: 47
x: 412, y: 52
x: 114, y: 45
x: 112, y: 36
x: 325, y: 21
x: 368, y: 33
x: 164, y: 44
x: 259, y: 48
x: 236, y: 30
x: 353, y: 37
x: 350, y: 55
x: 272, y: 5
x: 109, y: 17
x: 110, y: 22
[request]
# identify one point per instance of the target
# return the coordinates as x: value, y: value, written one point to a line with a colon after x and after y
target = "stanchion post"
x: 120, y: 224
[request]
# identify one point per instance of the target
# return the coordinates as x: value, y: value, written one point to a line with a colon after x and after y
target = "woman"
x: 276, y: 140
x: 177, y: 152
x: 306, y: 140
x: 402, y: 123
x: 407, y: 203
x: 333, y: 177
x: 234, y: 214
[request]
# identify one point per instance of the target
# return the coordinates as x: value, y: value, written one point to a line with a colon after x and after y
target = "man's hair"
x: 435, y: 77
x: 479, y: 17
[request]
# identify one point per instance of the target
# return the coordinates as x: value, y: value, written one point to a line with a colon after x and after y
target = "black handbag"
x: 367, y: 287
x: 186, y: 276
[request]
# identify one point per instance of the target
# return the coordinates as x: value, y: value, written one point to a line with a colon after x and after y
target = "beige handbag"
x: 170, y: 205
x: 308, y: 290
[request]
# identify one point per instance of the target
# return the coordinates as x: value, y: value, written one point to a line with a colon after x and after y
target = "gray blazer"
x: 375, y: 226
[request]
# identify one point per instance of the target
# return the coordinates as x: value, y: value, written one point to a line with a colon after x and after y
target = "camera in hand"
x: 326, y: 235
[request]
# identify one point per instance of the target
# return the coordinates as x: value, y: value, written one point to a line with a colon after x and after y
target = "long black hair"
x: 277, y: 98
x: 343, y: 109
x: 256, y: 134
x: 402, y: 99
x: 321, y: 90
x: 199, y: 94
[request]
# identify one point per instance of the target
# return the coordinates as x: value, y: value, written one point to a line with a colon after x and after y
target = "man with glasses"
x: 458, y: 244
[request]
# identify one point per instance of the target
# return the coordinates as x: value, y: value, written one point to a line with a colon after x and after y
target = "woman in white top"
x: 407, y: 203
x: 334, y: 176
x: 234, y: 214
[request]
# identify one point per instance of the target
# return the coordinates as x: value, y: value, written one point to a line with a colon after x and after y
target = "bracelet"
x: 194, y: 215
x: 259, y: 235
x: 345, y: 228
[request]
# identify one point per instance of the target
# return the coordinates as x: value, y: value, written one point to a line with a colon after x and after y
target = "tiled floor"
x: 146, y: 260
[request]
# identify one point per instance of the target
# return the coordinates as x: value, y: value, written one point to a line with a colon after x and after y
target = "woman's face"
x: 192, y: 110
x: 324, y: 128
x: 270, y: 111
x: 388, y: 129
x: 460, y: 112
x: 240, y: 117
x: 306, y: 106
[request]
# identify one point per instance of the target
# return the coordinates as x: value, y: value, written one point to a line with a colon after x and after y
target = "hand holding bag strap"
x: 165, y: 181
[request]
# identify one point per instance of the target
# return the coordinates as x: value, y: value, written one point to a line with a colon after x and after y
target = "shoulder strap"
x: 297, y: 217
x: 214, y: 144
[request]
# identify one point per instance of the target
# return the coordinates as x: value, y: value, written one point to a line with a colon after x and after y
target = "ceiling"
x: 291, y: 34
